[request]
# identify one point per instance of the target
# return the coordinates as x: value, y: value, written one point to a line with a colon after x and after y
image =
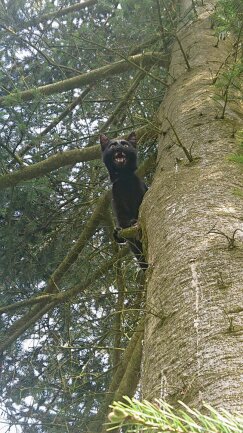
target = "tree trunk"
x: 193, y: 337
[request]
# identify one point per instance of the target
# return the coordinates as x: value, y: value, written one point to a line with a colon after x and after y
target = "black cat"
x: 120, y: 158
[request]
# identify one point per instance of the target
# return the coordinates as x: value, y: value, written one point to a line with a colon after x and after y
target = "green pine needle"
x: 160, y: 417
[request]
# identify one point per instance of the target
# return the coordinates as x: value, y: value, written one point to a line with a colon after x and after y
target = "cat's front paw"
x: 118, y: 238
x: 133, y: 222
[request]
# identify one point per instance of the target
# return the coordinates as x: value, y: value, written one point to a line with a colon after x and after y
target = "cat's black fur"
x: 120, y: 158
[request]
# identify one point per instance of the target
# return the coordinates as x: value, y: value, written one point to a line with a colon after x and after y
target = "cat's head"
x: 119, y: 154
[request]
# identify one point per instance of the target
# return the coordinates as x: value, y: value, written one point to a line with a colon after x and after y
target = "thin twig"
x: 180, y: 144
x: 231, y: 240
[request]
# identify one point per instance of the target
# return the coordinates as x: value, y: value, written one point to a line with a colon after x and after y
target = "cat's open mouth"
x: 120, y: 158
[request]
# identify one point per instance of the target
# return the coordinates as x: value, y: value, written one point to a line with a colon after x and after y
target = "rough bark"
x: 194, y: 327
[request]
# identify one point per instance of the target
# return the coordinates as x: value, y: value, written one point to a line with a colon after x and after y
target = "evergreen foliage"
x: 136, y: 416
x: 70, y: 299
x: 69, y: 306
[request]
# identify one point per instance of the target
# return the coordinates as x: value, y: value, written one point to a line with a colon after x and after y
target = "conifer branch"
x: 129, y: 361
x: 57, y: 14
x: 120, y: 106
x: 120, y: 284
x: 27, y: 302
x: 17, y: 98
x: 131, y: 375
x: 36, y: 313
x: 58, y: 119
x: 130, y: 232
x: 176, y: 37
x: 183, y: 52
x: 124, y: 101
x: 48, y: 59
x: 79, y: 245
x: 162, y: 417
x: 30, y: 318
x: 129, y: 59
x: 27, y: 320
x: 54, y: 162
x: 69, y: 157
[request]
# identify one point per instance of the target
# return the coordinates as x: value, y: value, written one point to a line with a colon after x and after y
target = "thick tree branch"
x: 129, y: 361
x: 130, y: 232
x: 37, y: 312
x: 57, y: 14
x: 25, y: 322
x: 120, y: 284
x: 129, y: 59
x: 131, y: 376
x: 121, y: 105
x: 27, y: 302
x: 87, y: 78
x: 86, y: 234
x: 54, y: 162
x: 28, y: 319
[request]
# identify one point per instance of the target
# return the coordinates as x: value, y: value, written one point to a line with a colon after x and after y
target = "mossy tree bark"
x: 193, y: 333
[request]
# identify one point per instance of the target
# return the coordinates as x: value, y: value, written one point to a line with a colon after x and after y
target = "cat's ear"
x: 132, y: 139
x: 104, y: 141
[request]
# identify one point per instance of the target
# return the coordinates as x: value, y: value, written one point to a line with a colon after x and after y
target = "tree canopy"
x: 71, y: 299
x: 69, y: 71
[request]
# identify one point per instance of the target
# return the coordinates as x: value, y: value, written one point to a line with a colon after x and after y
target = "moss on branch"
x: 130, y: 232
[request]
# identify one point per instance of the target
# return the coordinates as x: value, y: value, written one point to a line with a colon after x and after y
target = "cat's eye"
x: 112, y: 146
x: 125, y: 145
